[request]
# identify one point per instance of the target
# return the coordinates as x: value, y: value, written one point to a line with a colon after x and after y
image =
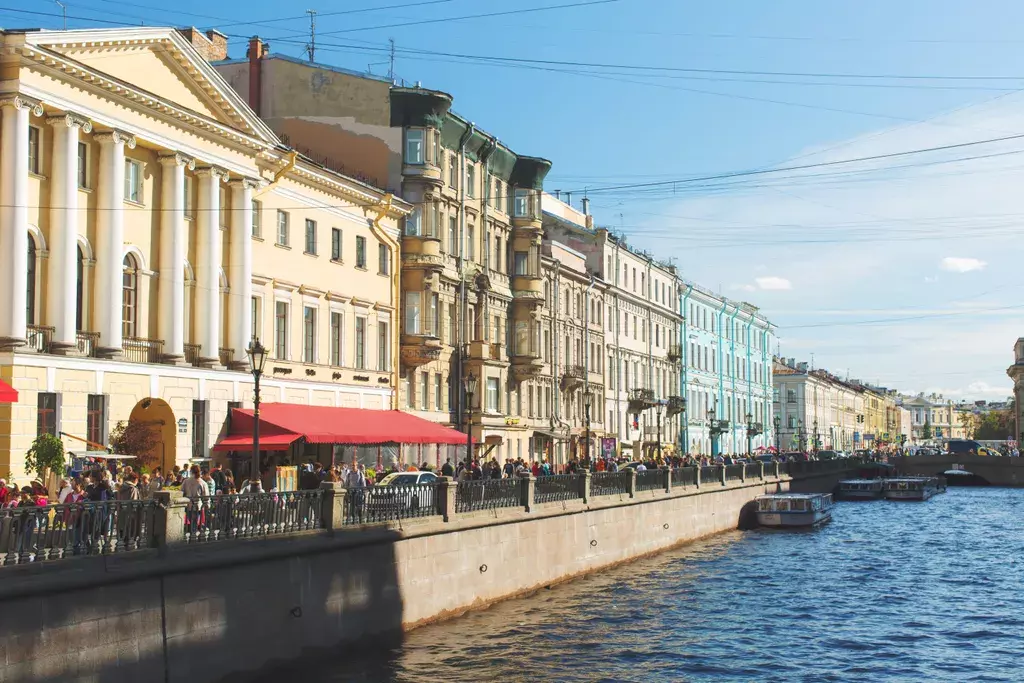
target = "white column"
x: 110, y: 239
x: 173, y: 251
x: 208, y: 320
x: 240, y: 268
x: 62, y: 284
x: 14, y: 217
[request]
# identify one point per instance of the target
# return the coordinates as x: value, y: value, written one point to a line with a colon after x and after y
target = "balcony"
x: 719, y: 426
x: 574, y: 376
x: 40, y: 339
x: 87, y: 343
x: 422, y: 252
x: 676, y: 405
x: 487, y: 352
x: 675, y: 352
x: 641, y: 399
x: 526, y: 365
x: 194, y: 354
x: 755, y: 429
x: 227, y: 356
x: 138, y: 350
x: 420, y: 349
x: 426, y: 172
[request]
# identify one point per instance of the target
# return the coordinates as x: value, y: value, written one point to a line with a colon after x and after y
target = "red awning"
x: 329, y: 425
x: 243, y: 442
x: 8, y: 394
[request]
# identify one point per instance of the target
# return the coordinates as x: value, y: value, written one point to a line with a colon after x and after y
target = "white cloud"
x: 743, y: 288
x: 962, y: 264
x: 773, y: 282
x: 931, y: 280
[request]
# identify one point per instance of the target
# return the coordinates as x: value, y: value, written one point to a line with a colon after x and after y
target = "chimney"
x: 802, y: 367
x: 213, y: 45
x: 586, y: 206
x: 558, y: 194
x: 791, y: 362
x: 257, y: 51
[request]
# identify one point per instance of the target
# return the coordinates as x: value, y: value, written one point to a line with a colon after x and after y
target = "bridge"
x: 996, y: 471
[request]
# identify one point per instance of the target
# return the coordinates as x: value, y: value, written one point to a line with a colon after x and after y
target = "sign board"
x: 182, y: 426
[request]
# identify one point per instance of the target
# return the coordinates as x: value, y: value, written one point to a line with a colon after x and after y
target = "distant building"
x: 1016, y: 373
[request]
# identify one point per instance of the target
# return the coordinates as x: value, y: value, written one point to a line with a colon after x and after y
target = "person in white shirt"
x: 194, y: 487
x: 64, y: 491
x: 641, y: 467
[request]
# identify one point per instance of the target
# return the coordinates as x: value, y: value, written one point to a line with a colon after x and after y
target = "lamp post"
x: 712, y: 426
x: 777, y: 423
x: 471, y: 385
x: 257, y: 359
x: 588, y: 399
x: 816, y: 445
x: 660, y: 408
x: 750, y: 434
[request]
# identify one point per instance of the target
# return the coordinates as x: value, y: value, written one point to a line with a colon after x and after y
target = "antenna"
x: 311, y: 48
x: 64, y: 11
x: 391, y: 61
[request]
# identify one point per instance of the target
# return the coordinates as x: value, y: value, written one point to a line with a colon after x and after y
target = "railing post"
x: 169, y: 519
x: 743, y: 472
x: 631, y: 482
x: 446, y: 498
x: 668, y: 480
x: 585, y: 485
x: 721, y: 474
x: 775, y: 468
x: 529, y: 484
x: 332, y: 511
x: 761, y: 463
x: 696, y: 475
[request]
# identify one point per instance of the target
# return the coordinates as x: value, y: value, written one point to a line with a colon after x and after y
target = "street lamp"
x: 777, y: 423
x: 471, y: 385
x: 257, y: 359
x: 750, y: 434
x: 816, y: 446
x: 588, y: 399
x: 660, y: 408
x: 712, y: 426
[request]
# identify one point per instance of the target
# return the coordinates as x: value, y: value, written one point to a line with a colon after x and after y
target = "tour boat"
x: 910, y: 488
x: 860, y: 489
x: 794, y: 509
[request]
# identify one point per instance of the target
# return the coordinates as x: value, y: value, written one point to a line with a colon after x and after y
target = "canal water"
x: 887, y: 591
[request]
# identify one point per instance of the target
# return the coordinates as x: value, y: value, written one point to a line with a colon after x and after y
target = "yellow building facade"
x: 151, y: 225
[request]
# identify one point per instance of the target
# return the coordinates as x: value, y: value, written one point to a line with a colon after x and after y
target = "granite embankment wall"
x: 220, y: 611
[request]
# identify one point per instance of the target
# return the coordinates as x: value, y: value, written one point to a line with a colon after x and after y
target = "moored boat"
x: 910, y: 488
x: 794, y: 509
x: 860, y: 489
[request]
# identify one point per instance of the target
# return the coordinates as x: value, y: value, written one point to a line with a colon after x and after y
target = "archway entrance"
x: 157, y: 414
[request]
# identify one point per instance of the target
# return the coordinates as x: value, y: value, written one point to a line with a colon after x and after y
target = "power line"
x: 881, y: 321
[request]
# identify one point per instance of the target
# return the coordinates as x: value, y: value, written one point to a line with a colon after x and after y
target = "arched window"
x: 130, y: 297
x: 30, y: 284
x: 79, y: 299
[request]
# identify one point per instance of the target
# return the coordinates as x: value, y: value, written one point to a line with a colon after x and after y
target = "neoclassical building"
x: 150, y: 226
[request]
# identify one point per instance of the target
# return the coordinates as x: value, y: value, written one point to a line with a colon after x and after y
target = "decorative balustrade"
x: 223, y: 517
x: 488, y: 494
x: 651, y: 480
x: 610, y: 483
x: 684, y: 476
x: 39, y: 338
x: 139, y: 350
x: 193, y: 354
x: 226, y: 356
x: 87, y: 343
x: 734, y: 472
x: 557, y: 487
x: 389, y: 503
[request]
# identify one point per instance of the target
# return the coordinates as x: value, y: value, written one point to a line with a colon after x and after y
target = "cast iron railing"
x: 87, y: 343
x: 733, y: 472
x: 53, y: 532
x: 651, y: 480
x: 193, y: 353
x: 556, y: 487
x: 752, y: 470
x: 39, y: 337
x: 709, y: 473
x: 488, y: 494
x: 609, y: 483
x: 389, y: 503
x: 684, y: 476
x: 138, y: 350
x: 222, y: 517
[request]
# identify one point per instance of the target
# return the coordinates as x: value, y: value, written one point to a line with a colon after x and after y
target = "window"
x: 129, y: 297
x: 96, y: 419
x: 83, y: 166
x: 470, y: 180
x: 335, y: 244
x: 414, y: 146
x: 30, y: 284
x: 453, y: 332
x: 453, y: 236
x: 256, y: 306
x: 410, y: 397
x: 383, y: 259
x: 383, y: 347
x: 470, y: 246
x: 493, y: 395
x: 310, y: 237
x: 282, y: 228
x: 361, y: 343
x: 521, y: 206
x: 308, y: 334
x: 424, y: 391
x: 438, y: 383
x: 360, y: 252
x: 47, y: 417
x: 433, y: 322
x: 413, y: 222
x: 257, y: 218
x: 199, y: 420
x: 519, y: 263
x: 412, y: 312
x: 281, y: 330
x: 34, y: 138
x: 133, y: 181
x: 453, y: 171
x: 497, y: 254
x: 337, y: 330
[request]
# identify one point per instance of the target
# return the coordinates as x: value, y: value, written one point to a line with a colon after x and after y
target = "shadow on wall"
x: 229, y: 623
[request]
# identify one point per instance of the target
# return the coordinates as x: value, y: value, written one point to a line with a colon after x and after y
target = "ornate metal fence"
x: 488, y: 494
x: 752, y: 470
x: 222, y: 517
x: 733, y: 472
x: 389, y: 503
x: 651, y: 480
x: 557, y: 487
x: 684, y: 476
x: 609, y: 483
x: 36, y: 534
x: 709, y: 473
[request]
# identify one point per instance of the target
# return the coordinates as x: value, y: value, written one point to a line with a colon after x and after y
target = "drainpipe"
x: 586, y: 335
x: 464, y: 414
x: 394, y: 248
x: 485, y: 157
x: 732, y: 372
x: 685, y: 375
x: 618, y: 351
x: 720, y: 399
x: 750, y: 385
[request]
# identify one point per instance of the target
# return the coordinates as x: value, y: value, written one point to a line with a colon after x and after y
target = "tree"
x: 995, y: 425
x: 45, y: 456
x: 926, y: 433
x: 138, y: 439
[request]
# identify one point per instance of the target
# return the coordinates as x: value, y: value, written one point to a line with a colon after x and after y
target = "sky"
x: 901, y: 271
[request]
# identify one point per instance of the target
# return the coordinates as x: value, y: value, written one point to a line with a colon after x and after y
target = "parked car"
x: 796, y: 455
x: 827, y: 455
x: 406, y: 478
x: 405, y: 491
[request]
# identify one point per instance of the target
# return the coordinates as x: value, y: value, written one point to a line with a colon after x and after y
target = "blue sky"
x: 932, y: 246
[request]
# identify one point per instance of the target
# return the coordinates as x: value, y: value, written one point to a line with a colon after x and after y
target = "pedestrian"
x: 446, y: 469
